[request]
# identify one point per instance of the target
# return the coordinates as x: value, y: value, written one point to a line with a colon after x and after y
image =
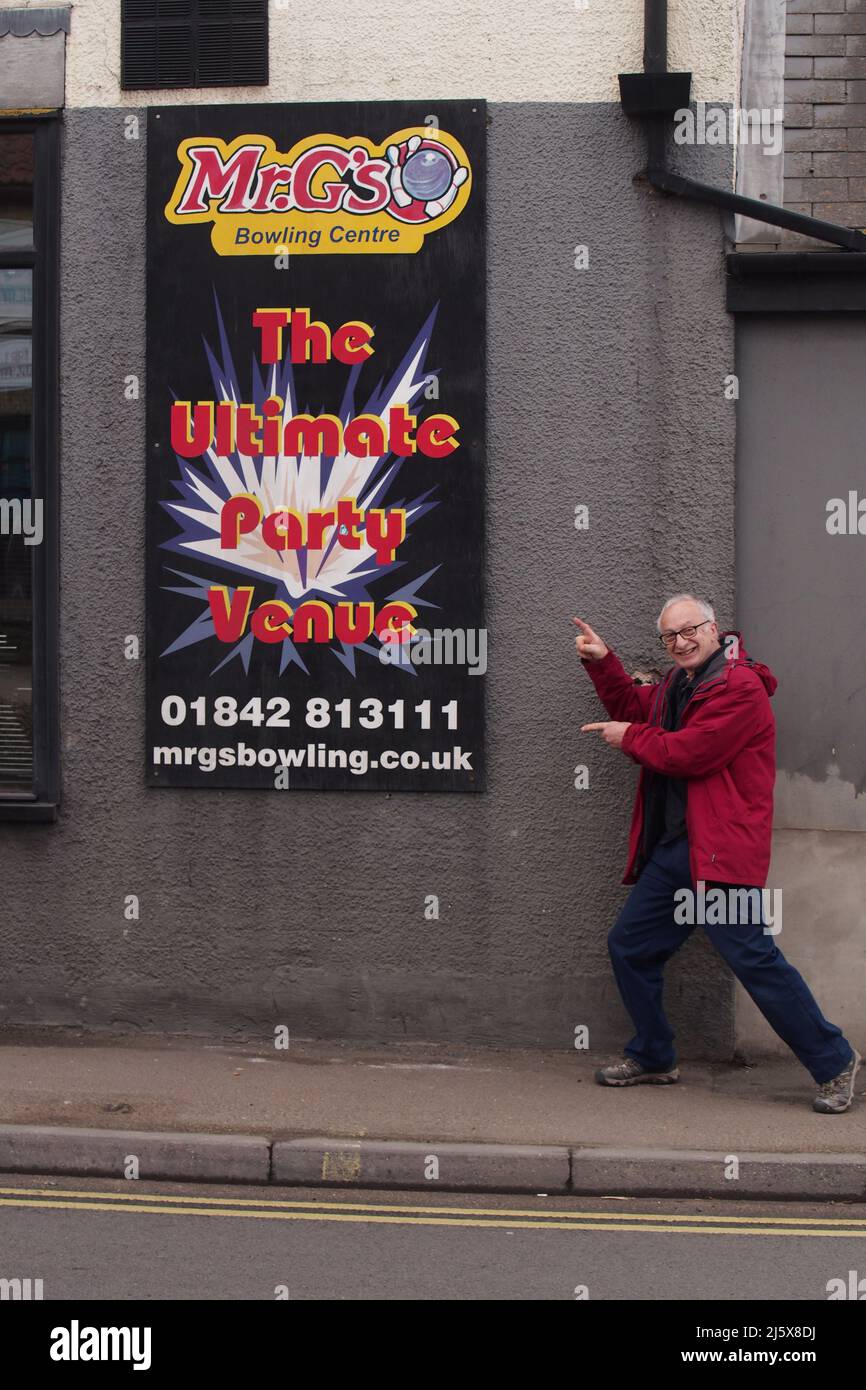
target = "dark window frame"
x: 41, y: 803
x: 131, y: 24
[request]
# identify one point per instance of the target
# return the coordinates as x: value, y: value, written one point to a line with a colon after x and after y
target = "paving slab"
x: 135, y: 1155
x: 450, y: 1167
x: 684, y: 1173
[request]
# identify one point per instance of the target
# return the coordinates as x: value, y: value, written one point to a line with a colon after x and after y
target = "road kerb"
x: 458, y: 1167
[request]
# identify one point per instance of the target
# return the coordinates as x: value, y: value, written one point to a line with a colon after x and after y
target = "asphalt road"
x: 104, y: 1239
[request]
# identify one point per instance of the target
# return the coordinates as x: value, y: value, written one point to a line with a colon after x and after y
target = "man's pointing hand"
x: 589, y: 645
x: 611, y: 731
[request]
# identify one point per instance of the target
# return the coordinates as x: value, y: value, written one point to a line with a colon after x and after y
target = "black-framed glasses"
x: 668, y: 639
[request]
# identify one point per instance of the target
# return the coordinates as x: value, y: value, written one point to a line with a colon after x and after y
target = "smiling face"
x: 689, y: 652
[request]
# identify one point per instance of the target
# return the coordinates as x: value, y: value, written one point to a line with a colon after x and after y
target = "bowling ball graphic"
x: 424, y: 179
x: 427, y: 174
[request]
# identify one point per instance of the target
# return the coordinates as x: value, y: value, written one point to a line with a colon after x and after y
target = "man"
x: 705, y: 742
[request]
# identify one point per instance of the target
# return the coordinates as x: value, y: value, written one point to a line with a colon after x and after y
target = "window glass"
x: 16, y: 192
x: 20, y: 530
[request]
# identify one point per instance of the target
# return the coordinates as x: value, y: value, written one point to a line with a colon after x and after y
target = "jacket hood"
x: 743, y: 659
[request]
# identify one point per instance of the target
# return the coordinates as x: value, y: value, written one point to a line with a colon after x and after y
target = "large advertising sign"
x: 316, y: 446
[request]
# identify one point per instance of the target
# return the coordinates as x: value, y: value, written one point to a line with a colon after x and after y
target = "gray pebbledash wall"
x: 605, y: 388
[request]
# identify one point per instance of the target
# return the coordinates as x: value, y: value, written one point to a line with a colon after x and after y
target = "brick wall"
x: 825, y: 109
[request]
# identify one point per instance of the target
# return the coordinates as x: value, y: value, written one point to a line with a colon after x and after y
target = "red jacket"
x: 726, y: 749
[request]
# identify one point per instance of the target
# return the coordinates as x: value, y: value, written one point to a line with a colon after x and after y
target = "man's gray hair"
x: 706, y: 608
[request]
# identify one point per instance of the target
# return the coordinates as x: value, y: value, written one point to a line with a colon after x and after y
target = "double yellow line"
x: 274, y: 1209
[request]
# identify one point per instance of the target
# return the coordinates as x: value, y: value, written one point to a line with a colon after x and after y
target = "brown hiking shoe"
x: 631, y: 1073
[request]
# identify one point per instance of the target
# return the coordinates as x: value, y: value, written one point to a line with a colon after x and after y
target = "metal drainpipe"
x: 655, y: 58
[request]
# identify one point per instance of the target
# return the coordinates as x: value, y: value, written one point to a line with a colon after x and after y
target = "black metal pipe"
x: 655, y: 36
x: 662, y: 177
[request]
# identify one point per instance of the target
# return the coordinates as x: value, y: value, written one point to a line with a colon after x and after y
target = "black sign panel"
x: 316, y: 446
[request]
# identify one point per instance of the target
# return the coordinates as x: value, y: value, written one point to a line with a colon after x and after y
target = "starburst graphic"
x: 302, y: 483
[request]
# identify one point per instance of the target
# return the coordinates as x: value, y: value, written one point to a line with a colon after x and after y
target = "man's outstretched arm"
x: 617, y: 691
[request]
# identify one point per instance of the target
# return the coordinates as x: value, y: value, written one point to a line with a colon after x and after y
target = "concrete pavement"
x: 413, y: 1116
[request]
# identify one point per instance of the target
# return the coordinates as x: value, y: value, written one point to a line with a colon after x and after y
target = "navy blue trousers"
x: 647, y: 934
